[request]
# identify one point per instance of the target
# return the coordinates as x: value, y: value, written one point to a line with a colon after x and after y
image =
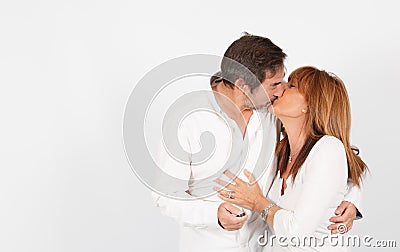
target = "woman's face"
x: 292, y: 104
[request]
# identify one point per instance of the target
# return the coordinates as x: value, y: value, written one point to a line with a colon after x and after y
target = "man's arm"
x: 349, y: 210
x: 179, y: 204
x: 353, y: 196
x: 197, y: 212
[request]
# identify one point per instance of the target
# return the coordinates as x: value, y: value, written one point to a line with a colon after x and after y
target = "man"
x: 241, y: 101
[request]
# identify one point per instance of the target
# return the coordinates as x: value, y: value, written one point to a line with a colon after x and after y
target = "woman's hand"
x: 244, y: 194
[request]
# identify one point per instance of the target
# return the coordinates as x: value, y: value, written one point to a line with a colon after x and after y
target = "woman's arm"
x: 324, y: 179
x: 324, y: 183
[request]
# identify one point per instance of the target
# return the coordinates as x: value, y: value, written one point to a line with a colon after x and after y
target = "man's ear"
x: 241, y: 84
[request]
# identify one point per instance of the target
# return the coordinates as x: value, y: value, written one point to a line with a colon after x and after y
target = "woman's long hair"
x: 328, y: 114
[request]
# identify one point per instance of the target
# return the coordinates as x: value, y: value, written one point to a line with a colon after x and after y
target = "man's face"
x: 265, y: 94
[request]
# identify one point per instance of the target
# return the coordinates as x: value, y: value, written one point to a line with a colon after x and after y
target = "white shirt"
x: 309, y: 201
x: 197, y: 218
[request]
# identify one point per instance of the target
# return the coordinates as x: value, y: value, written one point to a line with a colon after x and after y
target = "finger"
x: 233, y: 177
x: 249, y: 176
x: 341, y: 208
x: 227, y: 218
x: 218, y: 189
x: 350, y: 213
x: 233, y: 220
x: 227, y: 194
x: 338, y: 219
x: 235, y: 223
x: 235, y: 211
x: 226, y: 198
x: 347, y: 216
x: 350, y: 226
x: 224, y: 193
x: 242, y: 219
x: 233, y: 227
x: 230, y: 228
x: 338, y: 228
x: 241, y: 222
x: 332, y: 227
x: 225, y: 184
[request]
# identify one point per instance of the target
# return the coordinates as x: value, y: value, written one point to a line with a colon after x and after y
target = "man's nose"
x: 280, y: 89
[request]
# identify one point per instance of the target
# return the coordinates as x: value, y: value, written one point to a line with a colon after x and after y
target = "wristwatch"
x: 264, y: 212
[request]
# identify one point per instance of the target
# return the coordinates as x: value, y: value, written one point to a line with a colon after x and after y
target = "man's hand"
x: 227, y: 217
x: 345, y: 214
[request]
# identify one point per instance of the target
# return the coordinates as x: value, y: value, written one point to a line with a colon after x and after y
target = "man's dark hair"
x: 257, y: 54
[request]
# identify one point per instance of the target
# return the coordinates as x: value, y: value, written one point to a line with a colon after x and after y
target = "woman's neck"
x: 296, y: 134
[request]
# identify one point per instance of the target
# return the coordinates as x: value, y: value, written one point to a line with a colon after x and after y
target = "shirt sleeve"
x: 177, y: 202
x: 323, y: 186
x: 353, y: 195
x: 196, y: 213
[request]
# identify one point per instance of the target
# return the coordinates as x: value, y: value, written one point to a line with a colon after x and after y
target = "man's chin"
x: 264, y: 108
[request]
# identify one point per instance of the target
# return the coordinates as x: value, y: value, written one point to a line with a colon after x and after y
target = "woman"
x: 315, y: 160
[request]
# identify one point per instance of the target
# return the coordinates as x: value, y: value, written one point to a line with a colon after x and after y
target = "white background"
x: 67, y: 69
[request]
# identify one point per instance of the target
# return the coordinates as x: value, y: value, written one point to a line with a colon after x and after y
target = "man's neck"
x: 232, y: 102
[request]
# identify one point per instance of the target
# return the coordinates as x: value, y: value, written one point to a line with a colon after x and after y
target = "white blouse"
x: 309, y: 201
